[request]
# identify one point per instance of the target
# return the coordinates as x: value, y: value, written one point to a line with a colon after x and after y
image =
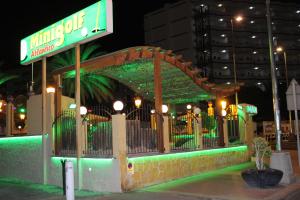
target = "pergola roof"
x: 134, y: 67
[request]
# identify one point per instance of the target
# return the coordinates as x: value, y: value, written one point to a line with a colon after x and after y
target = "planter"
x: 262, y: 178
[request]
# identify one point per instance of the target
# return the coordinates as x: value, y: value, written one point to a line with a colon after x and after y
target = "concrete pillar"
x: 197, y: 123
x: 9, y: 119
x: 119, y: 146
x: 50, y: 116
x: 166, y: 134
x: 225, y: 132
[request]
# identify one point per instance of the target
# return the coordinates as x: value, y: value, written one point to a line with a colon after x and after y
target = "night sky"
x: 23, y: 18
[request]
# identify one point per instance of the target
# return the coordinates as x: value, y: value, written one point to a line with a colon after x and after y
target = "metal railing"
x: 98, y: 127
x: 65, y: 133
x: 96, y: 132
x: 141, y: 136
x: 210, y: 135
x: 183, y: 136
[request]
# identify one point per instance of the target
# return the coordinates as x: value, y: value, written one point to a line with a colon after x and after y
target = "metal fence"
x: 186, y: 136
x: 210, y: 135
x: 183, y: 135
x: 141, y: 136
x: 98, y: 127
x: 96, y: 132
x: 65, y: 133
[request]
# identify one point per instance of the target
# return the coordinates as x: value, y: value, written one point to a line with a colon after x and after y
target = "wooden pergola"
x: 155, y: 74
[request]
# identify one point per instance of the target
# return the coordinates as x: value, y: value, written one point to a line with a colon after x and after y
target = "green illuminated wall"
x: 151, y: 170
x: 97, y: 174
x: 21, y: 158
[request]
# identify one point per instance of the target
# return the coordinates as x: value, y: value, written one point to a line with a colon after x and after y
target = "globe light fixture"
x: 22, y: 116
x: 189, y: 106
x: 83, y: 110
x: 137, y: 102
x: 118, y: 106
x: 164, y: 108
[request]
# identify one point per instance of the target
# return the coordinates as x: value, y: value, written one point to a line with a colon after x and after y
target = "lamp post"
x: 280, y: 50
x: 274, y: 81
x: 238, y: 19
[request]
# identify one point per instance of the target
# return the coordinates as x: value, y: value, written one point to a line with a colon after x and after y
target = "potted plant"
x: 261, y: 176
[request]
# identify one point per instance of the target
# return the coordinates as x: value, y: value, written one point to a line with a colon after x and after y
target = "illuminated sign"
x: 88, y: 24
x: 251, y: 109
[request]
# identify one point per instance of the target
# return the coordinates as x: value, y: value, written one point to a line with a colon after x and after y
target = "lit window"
x: 223, y: 35
x: 254, y: 52
x: 252, y: 22
x: 253, y: 36
x: 221, y: 19
x: 225, y: 67
x: 251, y: 8
x: 256, y: 68
x: 223, y: 51
x: 220, y: 5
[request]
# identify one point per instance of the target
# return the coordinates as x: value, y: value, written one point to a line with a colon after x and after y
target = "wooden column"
x: 58, y: 94
x: 158, y: 101
x: 220, y: 121
x: 78, y: 117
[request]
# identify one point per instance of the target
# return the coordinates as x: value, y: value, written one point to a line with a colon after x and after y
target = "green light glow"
x: 86, y: 161
x: 85, y: 25
x: 190, y: 154
x: 34, y: 138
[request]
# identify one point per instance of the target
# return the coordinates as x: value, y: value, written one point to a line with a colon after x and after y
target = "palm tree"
x: 4, y: 77
x: 93, y: 85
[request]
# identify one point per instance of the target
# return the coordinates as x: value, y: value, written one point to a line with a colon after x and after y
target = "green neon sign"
x: 251, y: 109
x: 88, y: 24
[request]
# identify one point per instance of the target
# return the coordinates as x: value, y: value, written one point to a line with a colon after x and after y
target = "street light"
x: 280, y: 49
x: 237, y: 19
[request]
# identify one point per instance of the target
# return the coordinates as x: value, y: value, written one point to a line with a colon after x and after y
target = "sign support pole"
x: 296, y: 120
x: 44, y: 139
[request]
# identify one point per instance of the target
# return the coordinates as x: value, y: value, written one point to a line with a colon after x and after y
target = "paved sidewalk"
x: 222, y: 184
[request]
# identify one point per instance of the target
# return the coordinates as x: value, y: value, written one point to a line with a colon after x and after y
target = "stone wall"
x: 151, y: 170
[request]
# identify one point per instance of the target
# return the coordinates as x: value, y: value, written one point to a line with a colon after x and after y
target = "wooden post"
x: 220, y: 121
x: 78, y: 117
x: 44, y: 120
x: 58, y: 94
x: 158, y: 101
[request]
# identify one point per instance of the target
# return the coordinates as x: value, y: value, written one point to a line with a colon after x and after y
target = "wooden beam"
x: 158, y: 101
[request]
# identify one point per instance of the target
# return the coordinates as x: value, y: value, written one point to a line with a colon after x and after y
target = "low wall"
x: 151, y: 170
x: 101, y: 175
x: 21, y: 158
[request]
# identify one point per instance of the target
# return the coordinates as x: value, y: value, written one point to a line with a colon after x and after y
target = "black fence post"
x: 63, y: 164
